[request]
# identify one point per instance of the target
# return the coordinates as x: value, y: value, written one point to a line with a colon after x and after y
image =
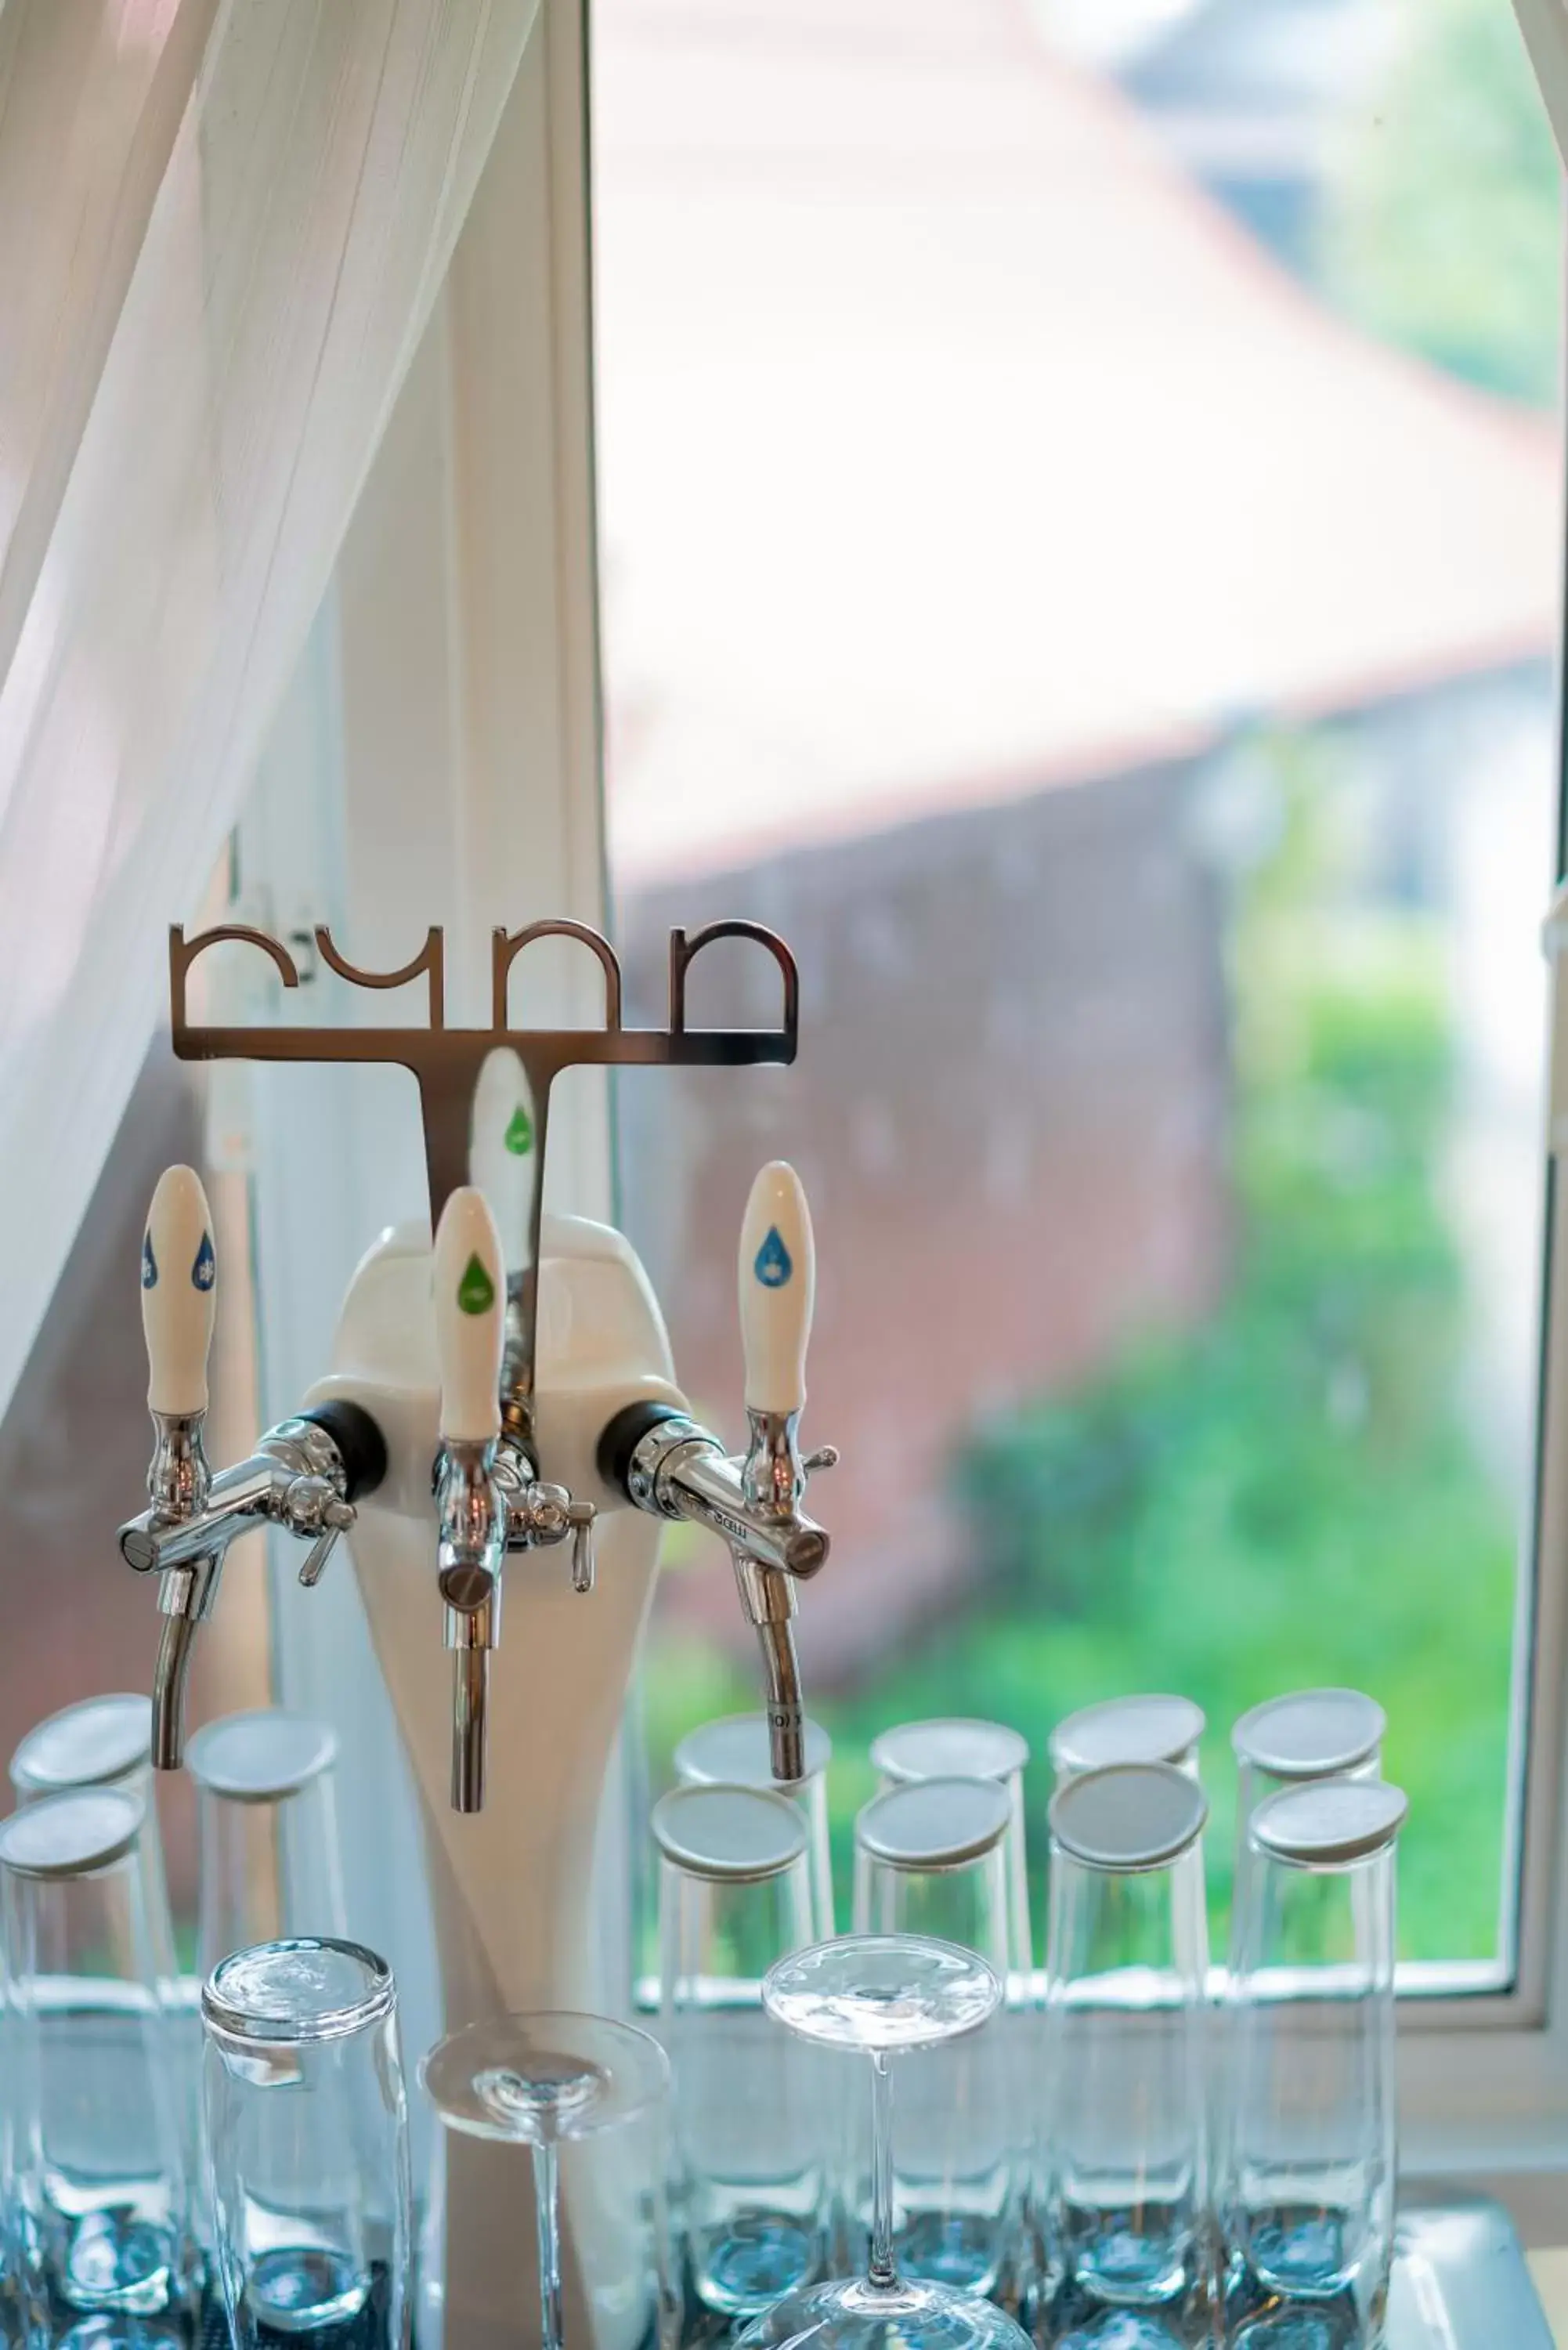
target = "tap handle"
x: 178, y: 1293
x: 469, y: 1319
x: 778, y: 1287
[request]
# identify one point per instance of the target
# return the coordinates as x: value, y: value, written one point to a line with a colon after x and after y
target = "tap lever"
x: 580, y: 1514
x: 777, y: 1272
x: 179, y: 1295
x: 470, y: 1277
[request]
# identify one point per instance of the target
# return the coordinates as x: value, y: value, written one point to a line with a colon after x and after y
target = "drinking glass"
x: 930, y: 1859
x: 1307, y: 2200
x: 733, y: 1752
x: 734, y: 1894
x: 95, y: 2173
x: 1124, y: 2139
x: 307, y: 2126
x: 272, y: 1869
x: 958, y: 1748
x: 883, y: 1995
x: 1158, y: 1729
x: 1327, y: 1733
x: 572, y: 2088
x: 106, y: 1741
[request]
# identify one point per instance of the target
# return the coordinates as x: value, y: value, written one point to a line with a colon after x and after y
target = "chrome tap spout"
x: 471, y: 1512
x: 770, y: 1602
x: 185, y: 1596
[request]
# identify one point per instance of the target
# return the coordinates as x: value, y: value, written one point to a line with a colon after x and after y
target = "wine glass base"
x: 910, y: 2314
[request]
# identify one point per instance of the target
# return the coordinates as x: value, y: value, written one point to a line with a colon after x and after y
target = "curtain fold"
x: 1545, y: 24
x: 223, y: 224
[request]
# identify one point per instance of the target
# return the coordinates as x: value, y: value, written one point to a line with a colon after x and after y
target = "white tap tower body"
x: 510, y: 1886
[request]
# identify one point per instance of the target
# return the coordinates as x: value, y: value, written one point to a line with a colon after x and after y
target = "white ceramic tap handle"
x: 470, y: 1317
x: 179, y: 1292
x: 778, y: 1287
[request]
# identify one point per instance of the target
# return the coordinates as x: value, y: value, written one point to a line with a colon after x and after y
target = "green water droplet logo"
x: 520, y: 1133
x: 476, y: 1291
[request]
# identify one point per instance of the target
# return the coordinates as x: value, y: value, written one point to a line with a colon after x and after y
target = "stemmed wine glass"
x: 882, y: 1993
x: 542, y: 2081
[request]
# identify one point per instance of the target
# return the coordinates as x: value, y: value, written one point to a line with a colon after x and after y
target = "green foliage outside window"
x: 1288, y: 1495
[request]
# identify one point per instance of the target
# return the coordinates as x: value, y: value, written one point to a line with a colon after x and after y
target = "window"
x: 1081, y: 512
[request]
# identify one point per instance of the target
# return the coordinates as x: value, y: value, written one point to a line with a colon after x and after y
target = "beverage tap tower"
x: 470, y: 1418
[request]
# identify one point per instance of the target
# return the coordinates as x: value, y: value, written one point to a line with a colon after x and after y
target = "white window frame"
x: 462, y: 640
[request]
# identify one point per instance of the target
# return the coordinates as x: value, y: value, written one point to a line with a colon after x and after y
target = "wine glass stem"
x: 883, y: 2271
x: 547, y: 2213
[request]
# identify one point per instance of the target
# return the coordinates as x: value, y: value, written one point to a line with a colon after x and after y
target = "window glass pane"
x: 74, y: 1449
x: 1081, y: 515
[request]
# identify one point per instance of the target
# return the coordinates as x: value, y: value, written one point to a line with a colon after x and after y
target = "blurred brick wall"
x: 1011, y: 1112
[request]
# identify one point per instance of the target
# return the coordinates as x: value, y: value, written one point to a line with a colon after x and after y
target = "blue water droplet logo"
x: 774, y: 1263
x: 204, y: 1272
x: 148, y: 1262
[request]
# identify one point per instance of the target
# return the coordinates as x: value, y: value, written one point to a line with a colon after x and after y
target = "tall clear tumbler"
x: 95, y: 2178
x: 272, y: 1868
x: 931, y: 1860
x: 1125, y: 2152
x: 957, y: 1747
x: 307, y: 2126
x: 735, y: 1750
x: 1287, y: 1742
x: 1307, y: 2199
x: 106, y: 1741
x: 735, y: 1895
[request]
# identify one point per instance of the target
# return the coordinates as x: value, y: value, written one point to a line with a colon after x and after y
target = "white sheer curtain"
x: 222, y: 226
x: 1544, y: 24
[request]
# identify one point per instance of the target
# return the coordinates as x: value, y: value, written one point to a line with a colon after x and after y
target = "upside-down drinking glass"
x: 1125, y: 2124
x: 106, y: 1741
x: 1323, y: 1733
x: 1307, y: 2199
x: 307, y: 2125
x: 957, y: 1747
x: 735, y: 1751
x: 271, y: 1866
x: 580, y: 2092
x: 734, y: 1894
x: 94, y: 2176
x: 883, y: 1995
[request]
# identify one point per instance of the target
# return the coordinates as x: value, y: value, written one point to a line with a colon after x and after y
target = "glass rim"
x: 1338, y: 1823
x: 966, y: 1820
x: 106, y: 1820
x: 1172, y: 1725
x: 741, y: 1851
x: 263, y: 1755
x: 231, y: 2019
x: 994, y: 1749
x: 61, y: 1754
x: 738, y: 1734
x: 1333, y: 1756
x: 1113, y: 1844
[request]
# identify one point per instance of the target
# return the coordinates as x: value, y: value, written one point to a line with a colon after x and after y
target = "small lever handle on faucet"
x: 778, y: 1289
x: 469, y: 1319
x: 179, y: 1293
